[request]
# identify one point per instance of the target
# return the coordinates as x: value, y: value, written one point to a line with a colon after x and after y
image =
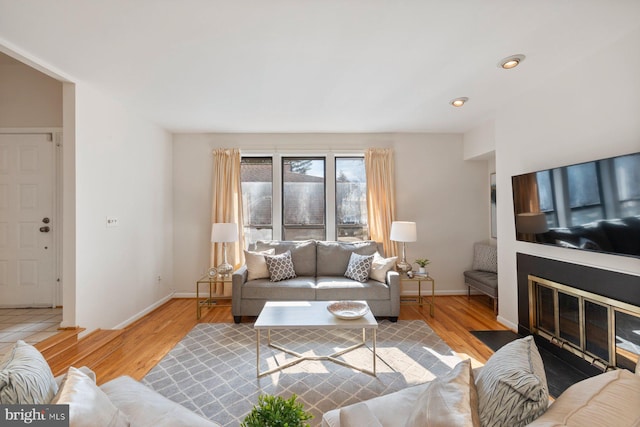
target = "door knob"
x: 45, y: 220
x: 45, y: 229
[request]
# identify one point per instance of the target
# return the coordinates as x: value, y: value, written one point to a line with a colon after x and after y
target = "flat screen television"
x: 592, y: 206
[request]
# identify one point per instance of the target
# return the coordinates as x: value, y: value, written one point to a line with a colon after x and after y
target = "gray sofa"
x: 319, y: 267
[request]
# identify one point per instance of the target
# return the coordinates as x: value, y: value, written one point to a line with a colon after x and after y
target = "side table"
x: 216, y: 296
x: 419, y: 300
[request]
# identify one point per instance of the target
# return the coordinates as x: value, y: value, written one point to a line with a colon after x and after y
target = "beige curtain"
x: 227, y: 203
x: 381, y: 199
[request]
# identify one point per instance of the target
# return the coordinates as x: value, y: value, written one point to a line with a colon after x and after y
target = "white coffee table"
x: 310, y: 315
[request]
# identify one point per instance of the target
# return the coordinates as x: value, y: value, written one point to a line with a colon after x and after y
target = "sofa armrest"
x: 393, y: 281
x: 238, y: 278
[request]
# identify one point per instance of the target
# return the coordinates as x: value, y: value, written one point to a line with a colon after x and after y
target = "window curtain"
x: 525, y: 187
x: 381, y: 199
x: 227, y: 203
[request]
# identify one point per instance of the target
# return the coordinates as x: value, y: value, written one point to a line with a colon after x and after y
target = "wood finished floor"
x: 149, y: 339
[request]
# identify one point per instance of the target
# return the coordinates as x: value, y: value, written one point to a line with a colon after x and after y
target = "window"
x: 627, y: 175
x: 303, y: 198
x: 584, y: 193
x: 351, y: 199
x: 257, y: 197
x: 320, y: 197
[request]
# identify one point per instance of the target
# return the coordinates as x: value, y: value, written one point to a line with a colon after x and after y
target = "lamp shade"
x: 224, y: 232
x: 403, y: 231
x: 531, y: 223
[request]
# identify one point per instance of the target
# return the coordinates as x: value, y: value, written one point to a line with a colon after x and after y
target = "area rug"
x: 212, y: 371
x: 560, y: 374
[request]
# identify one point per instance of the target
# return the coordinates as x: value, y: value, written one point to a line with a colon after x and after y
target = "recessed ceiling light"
x: 459, y: 102
x: 511, y: 61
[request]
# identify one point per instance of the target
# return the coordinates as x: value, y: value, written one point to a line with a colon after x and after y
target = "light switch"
x: 112, y: 221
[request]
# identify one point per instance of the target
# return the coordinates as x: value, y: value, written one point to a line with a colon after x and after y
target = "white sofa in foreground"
x: 509, y: 391
x: 26, y: 379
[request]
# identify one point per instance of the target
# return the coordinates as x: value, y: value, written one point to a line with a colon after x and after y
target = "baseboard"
x: 508, y: 324
x: 144, y: 312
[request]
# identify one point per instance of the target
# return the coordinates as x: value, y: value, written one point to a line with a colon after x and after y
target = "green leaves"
x: 274, y: 411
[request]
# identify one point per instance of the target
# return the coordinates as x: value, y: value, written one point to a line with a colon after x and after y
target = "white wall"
x: 435, y: 187
x: 589, y: 111
x: 28, y: 98
x: 123, y: 170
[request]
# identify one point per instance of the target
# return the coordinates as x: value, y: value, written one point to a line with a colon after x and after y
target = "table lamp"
x: 224, y: 232
x: 403, y: 231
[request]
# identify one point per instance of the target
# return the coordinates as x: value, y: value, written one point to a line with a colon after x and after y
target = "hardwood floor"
x: 148, y: 340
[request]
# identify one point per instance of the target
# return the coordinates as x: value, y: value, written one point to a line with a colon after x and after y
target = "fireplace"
x: 603, y: 331
x: 580, y: 313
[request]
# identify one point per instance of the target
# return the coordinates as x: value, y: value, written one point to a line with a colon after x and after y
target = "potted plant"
x: 275, y: 411
x: 422, y: 262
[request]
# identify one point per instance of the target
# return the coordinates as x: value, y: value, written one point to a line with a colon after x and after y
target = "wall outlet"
x: 112, y: 221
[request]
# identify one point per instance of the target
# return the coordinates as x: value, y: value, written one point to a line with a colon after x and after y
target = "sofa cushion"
x: 358, y: 415
x: 342, y: 288
x: 512, y: 386
x: 604, y: 400
x: 280, y: 266
x: 359, y: 267
x: 333, y: 257
x: 380, y: 266
x: 303, y: 253
x: 145, y: 407
x: 88, y: 405
x: 485, y: 257
x: 449, y: 401
x: 256, y: 264
x: 298, y: 289
x: 25, y: 377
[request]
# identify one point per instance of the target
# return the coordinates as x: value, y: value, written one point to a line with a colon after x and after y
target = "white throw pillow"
x: 88, y: 405
x: 257, y: 265
x: 359, y: 267
x: 25, y: 377
x: 358, y: 415
x: 449, y: 401
x: 381, y: 266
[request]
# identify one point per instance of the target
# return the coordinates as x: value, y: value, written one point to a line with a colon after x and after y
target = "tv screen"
x: 591, y: 206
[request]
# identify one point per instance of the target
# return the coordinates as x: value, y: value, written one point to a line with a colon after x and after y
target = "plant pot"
x: 422, y: 270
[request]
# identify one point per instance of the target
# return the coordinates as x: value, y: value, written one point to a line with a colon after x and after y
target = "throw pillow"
x: 485, y: 257
x: 512, y: 385
x: 256, y: 264
x: 25, y: 377
x: 358, y: 415
x: 608, y: 399
x: 449, y: 401
x: 359, y: 267
x: 88, y: 405
x: 280, y: 266
x: 380, y: 266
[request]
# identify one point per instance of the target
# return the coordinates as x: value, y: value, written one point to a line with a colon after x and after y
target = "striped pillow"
x: 512, y: 386
x: 25, y: 377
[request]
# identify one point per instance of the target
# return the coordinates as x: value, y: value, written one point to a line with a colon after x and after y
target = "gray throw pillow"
x: 512, y: 386
x: 25, y: 377
x: 485, y: 257
x: 280, y: 266
x: 359, y: 267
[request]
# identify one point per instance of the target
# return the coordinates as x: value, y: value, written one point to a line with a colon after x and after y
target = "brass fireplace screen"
x: 601, y: 330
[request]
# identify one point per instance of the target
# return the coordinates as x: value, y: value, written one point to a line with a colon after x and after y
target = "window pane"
x: 257, y: 191
x: 303, y: 195
x: 351, y: 199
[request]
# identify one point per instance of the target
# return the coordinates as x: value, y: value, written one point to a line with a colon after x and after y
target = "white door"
x: 26, y: 225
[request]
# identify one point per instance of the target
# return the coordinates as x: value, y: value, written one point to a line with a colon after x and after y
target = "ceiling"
x: 311, y: 65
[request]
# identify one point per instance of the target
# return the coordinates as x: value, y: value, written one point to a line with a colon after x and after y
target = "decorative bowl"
x: 348, y: 310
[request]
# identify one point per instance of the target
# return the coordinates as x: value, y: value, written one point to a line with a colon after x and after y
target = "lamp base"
x: 403, y: 267
x: 225, y: 269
